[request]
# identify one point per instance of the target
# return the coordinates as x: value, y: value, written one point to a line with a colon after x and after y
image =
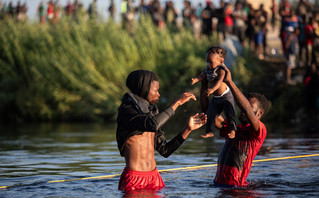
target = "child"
x: 223, y: 98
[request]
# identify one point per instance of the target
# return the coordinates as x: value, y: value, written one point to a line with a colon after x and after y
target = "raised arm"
x: 134, y: 119
x: 165, y: 115
x: 242, y: 101
x: 185, y: 97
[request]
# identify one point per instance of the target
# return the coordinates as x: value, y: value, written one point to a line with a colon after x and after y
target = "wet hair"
x: 263, y: 102
x: 216, y: 50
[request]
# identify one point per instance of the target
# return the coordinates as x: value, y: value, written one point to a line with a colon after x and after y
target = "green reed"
x: 77, y: 70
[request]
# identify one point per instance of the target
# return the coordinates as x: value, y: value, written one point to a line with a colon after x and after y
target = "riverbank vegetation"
x: 76, y: 71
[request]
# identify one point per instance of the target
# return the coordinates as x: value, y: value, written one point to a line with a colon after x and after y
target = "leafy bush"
x: 77, y: 71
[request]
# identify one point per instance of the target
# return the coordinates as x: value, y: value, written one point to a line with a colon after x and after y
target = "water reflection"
x: 143, y: 193
x: 245, y: 192
x: 33, y: 155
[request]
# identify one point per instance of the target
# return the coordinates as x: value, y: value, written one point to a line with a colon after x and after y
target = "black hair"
x: 216, y: 50
x: 263, y: 102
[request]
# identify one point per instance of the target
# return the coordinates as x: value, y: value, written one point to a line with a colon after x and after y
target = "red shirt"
x: 237, y: 155
x: 309, y: 34
x: 228, y: 18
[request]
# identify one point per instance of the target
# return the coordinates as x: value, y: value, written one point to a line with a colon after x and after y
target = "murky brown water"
x: 32, y: 156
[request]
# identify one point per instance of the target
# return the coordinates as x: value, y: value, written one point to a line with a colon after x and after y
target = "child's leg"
x: 211, y: 113
x: 229, y: 110
x: 213, y: 110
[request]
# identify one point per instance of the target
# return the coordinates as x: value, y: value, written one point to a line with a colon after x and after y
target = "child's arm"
x: 200, y: 77
x: 214, y: 85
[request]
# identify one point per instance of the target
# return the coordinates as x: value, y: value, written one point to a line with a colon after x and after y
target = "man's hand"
x: 227, y: 77
x: 185, y: 97
x: 196, y: 121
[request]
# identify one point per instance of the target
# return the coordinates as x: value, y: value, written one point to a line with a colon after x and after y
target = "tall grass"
x: 77, y: 71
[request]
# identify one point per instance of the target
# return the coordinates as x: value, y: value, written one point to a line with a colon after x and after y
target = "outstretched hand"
x: 227, y: 77
x: 196, y: 121
x: 185, y: 97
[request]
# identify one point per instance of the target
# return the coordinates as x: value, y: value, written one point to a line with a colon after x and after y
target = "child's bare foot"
x: 207, y: 135
x: 232, y: 134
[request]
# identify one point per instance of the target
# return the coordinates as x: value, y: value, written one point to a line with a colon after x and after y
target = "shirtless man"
x: 139, y: 131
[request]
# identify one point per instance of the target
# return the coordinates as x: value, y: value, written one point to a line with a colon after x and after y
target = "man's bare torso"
x: 139, y: 152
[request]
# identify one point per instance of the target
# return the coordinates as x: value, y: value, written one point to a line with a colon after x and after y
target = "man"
x: 139, y: 131
x: 236, y: 156
x: 240, y: 18
x: 220, y: 14
x: 93, y: 10
x: 207, y: 17
x: 262, y: 19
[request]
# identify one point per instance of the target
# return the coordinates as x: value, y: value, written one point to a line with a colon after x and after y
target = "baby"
x: 223, y: 99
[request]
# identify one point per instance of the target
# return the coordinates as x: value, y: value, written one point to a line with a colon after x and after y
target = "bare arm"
x: 199, y: 78
x: 242, y: 101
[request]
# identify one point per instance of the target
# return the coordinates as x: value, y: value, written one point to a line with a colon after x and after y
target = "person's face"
x: 153, y: 94
x: 257, y: 111
x: 213, y: 60
x: 222, y: 4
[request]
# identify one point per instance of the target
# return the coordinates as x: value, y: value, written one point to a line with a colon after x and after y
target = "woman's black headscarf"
x: 139, y: 82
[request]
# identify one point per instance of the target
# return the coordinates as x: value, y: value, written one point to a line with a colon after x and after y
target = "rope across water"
x: 175, y: 169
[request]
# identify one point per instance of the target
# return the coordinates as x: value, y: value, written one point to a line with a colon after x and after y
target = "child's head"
x: 215, y: 56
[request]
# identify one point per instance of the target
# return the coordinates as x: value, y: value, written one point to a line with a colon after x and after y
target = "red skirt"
x: 137, y: 180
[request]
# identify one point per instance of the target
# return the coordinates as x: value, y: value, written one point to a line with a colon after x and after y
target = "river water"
x: 32, y: 156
